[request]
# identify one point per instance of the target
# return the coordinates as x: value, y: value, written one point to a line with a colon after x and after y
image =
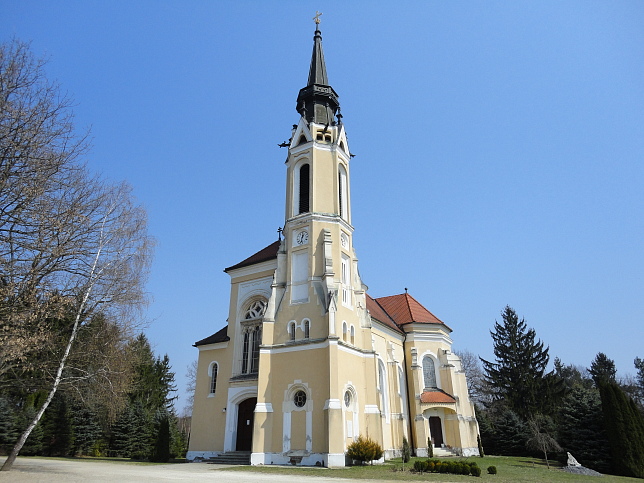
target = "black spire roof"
x: 318, y: 102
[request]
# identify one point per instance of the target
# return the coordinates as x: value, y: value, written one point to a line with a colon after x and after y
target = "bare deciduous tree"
x: 71, y: 246
x: 540, y: 428
x: 191, y: 375
x: 476, y: 383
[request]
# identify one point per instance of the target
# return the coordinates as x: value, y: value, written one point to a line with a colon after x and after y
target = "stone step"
x: 231, y: 458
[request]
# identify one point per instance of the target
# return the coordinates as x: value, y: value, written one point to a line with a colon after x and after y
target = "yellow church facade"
x: 308, y: 360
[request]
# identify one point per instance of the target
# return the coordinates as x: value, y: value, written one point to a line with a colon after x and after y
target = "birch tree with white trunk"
x: 71, y: 245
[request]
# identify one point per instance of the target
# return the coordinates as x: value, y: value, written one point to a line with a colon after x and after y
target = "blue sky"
x: 499, y: 151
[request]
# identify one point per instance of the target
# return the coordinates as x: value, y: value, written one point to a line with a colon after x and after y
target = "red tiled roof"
x: 377, y: 312
x: 219, y: 336
x: 436, y: 397
x: 263, y: 255
x: 405, y: 309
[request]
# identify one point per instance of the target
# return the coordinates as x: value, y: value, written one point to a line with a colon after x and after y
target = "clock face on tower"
x: 302, y: 237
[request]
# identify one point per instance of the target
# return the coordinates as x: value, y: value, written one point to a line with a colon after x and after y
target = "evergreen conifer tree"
x: 486, y: 429
x: 518, y: 376
x: 639, y: 379
x: 87, y: 431
x: 8, y: 433
x: 625, y: 430
x: 141, y: 439
x: 581, y: 428
x: 121, y: 433
x: 162, y: 444
x: 511, y: 434
x: 33, y: 446
x: 602, y: 369
x: 58, y: 433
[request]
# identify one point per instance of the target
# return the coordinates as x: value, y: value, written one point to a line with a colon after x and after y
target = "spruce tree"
x: 625, y: 429
x: 58, y: 433
x: 87, y: 431
x: 486, y: 428
x: 121, y: 433
x: 602, y: 369
x: 142, y: 438
x: 511, y: 434
x: 639, y: 379
x: 518, y: 376
x: 162, y: 444
x: 581, y: 428
x: 8, y: 433
x: 33, y: 446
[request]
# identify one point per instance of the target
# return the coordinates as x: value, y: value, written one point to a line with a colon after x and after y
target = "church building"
x: 309, y: 361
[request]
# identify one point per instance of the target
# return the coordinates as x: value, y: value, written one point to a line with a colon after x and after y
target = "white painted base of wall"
x: 299, y: 458
x: 191, y: 456
x: 389, y: 454
x: 470, y: 452
x: 422, y: 452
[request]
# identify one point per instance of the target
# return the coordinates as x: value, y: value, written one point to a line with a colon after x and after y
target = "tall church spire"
x: 318, y: 102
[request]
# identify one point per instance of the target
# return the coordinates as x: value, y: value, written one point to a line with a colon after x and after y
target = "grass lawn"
x: 510, y: 470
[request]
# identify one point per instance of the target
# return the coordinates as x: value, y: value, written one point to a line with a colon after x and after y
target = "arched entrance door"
x: 436, y: 431
x: 245, y: 415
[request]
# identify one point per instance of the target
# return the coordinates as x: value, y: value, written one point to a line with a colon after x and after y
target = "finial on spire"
x: 318, y: 102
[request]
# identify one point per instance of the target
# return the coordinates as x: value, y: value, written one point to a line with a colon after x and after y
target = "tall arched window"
x: 252, y: 336
x: 213, y: 369
x: 429, y: 372
x: 353, y: 335
x: 344, y: 331
x: 305, y: 191
x: 291, y: 330
x: 382, y: 389
x: 307, y: 328
x: 342, y: 192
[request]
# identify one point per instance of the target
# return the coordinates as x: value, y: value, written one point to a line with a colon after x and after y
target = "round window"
x: 347, y: 398
x: 299, y: 399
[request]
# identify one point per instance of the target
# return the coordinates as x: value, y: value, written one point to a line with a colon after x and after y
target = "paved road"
x: 41, y: 470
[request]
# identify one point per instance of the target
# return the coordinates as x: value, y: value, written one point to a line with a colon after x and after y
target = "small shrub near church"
x: 364, y: 449
x: 491, y: 470
x: 406, y: 451
x: 452, y: 467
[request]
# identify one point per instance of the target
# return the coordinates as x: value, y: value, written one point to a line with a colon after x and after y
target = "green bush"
x: 406, y: 450
x: 475, y: 471
x: 364, y: 449
x: 465, y: 469
x: 419, y: 466
x: 491, y: 470
x: 430, y: 448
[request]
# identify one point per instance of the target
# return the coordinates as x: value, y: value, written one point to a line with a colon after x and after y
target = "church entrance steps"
x: 231, y: 458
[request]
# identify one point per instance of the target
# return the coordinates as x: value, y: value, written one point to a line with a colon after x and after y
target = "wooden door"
x: 245, y: 415
x: 436, y: 431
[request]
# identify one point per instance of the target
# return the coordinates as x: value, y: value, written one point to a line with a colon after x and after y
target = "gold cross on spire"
x: 317, y: 17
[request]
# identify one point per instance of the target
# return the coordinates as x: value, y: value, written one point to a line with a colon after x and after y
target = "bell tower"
x: 316, y: 323
x: 318, y: 195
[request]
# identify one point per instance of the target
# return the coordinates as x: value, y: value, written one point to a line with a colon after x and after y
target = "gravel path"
x: 46, y: 470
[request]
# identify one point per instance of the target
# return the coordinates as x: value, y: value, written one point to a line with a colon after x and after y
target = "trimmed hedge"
x: 452, y: 467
